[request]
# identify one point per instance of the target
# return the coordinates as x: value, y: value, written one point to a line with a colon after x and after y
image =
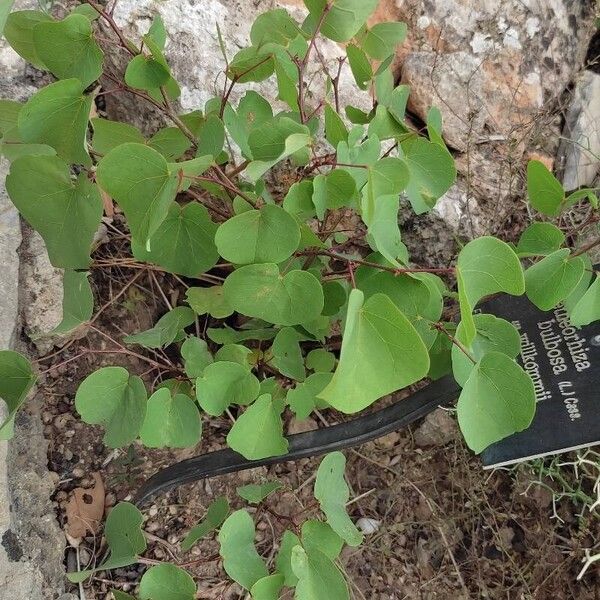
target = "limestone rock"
x: 580, y: 147
x: 437, y: 429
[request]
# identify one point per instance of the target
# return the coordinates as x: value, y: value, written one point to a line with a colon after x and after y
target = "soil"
x: 445, y: 528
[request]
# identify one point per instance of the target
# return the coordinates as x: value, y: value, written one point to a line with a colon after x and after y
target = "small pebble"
x: 368, y: 526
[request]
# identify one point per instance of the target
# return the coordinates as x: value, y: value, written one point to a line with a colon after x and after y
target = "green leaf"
x: 113, y: 398
x: 267, y: 588
x: 552, y: 279
x: 253, y: 110
x: 493, y: 335
x: 258, y: 432
x: 360, y: 66
x: 440, y: 356
x: 274, y: 26
x: 139, y: 179
x: 335, y: 129
x: 116, y: 593
x: 215, y: 515
x: 335, y: 297
x: 587, y: 310
x: 303, y: 399
x: 255, y: 493
x: 344, y: 18
x: 383, y: 230
x: 166, y: 329
x: 5, y: 8
x: 377, y: 340
x: 146, y: 73
x: 283, y: 561
x: 331, y: 490
x: 68, y: 48
x: 18, y: 32
x: 545, y: 192
x: 389, y: 176
x: 258, y: 236
x: 211, y: 137
x: 65, y: 212
x: 486, y: 266
x: 110, y: 134
x: 251, y: 64
x: 123, y: 532
x: 316, y: 573
x: 235, y: 353
x: 381, y: 40
x: 125, y: 539
x: 320, y: 536
x: 273, y: 141
x: 184, y: 242
x: 171, y: 421
x: 581, y: 288
x: 171, y: 142
x: 241, y: 561
x: 167, y: 582
x: 432, y: 173
x: 78, y: 302
x: 420, y: 303
x: 209, y: 300
x: 540, y: 239
x: 299, y: 200
x: 227, y: 335
x: 89, y: 12
x: 58, y: 115
x: 224, y: 383
x: 320, y: 360
x: 16, y: 380
x: 497, y: 400
x: 196, y: 356
x: 287, y: 355
x: 157, y: 32
x: 260, y: 291
x: 334, y: 190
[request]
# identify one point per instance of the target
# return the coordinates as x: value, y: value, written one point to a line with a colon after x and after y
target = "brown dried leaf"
x: 85, y: 509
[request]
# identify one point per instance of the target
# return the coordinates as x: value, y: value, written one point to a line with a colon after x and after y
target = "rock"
x: 437, y: 429
x: 434, y: 80
x: 42, y: 291
x: 10, y: 239
x: 580, y: 145
x: 300, y: 426
x: 368, y: 526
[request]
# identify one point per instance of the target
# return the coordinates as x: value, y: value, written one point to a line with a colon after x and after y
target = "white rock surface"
x: 579, y: 152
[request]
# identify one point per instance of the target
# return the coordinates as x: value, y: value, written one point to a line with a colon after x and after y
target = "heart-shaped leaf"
x: 332, y: 492
x: 209, y: 300
x: 167, y: 582
x: 545, y: 192
x: 68, y: 48
x: 497, y: 400
x: 113, y: 398
x: 260, y: 291
x: 183, y: 243
x: 378, y: 339
x: 258, y: 432
x: 171, y: 421
x: 258, y: 236
x: 553, y: 278
x: 140, y: 180
x: 587, y: 310
x: 64, y: 211
x: 58, y: 115
x: 224, y: 383
x: 241, y: 561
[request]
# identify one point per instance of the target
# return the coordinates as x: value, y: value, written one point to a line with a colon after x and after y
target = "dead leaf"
x: 109, y: 207
x: 85, y: 509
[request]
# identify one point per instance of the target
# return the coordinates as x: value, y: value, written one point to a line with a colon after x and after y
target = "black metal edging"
x: 311, y: 443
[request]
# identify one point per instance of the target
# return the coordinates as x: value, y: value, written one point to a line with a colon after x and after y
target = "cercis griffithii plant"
x: 275, y: 275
